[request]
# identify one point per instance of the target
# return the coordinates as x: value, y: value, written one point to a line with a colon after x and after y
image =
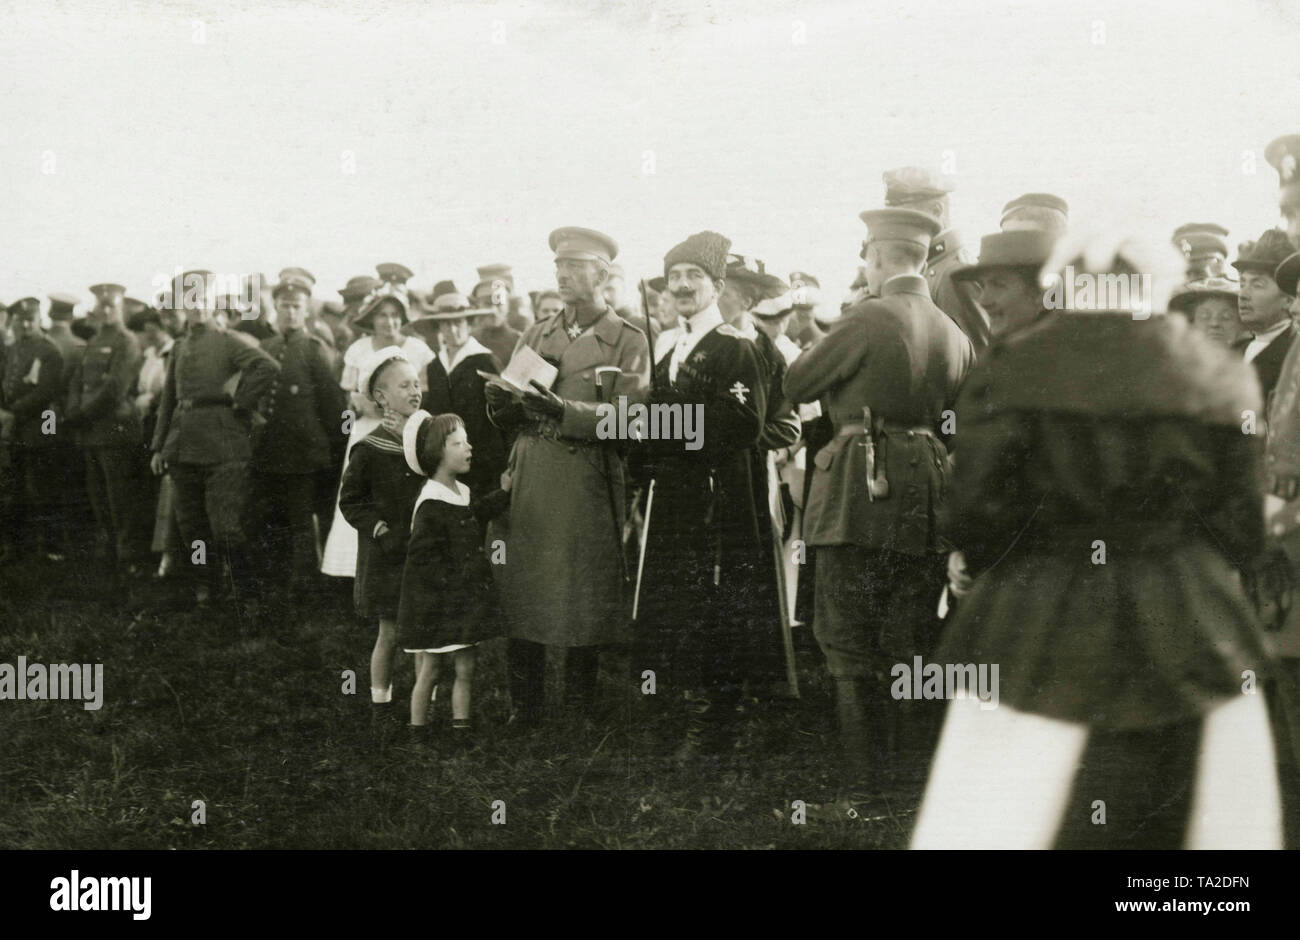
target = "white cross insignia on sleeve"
x: 739, y: 391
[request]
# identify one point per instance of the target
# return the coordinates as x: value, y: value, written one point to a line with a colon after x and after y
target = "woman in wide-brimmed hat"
x: 1106, y: 502
x: 381, y: 317
x: 1210, y: 305
x: 452, y: 383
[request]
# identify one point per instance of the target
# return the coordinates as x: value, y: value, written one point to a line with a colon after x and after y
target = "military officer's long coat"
x: 562, y: 582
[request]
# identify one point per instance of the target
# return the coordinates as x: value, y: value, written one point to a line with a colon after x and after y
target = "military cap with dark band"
x: 296, y: 280
x: 25, y: 304
x: 1205, y: 247
x: 105, y: 291
x: 393, y: 273
x: 911, y: 184
x: 1035, y: 201
x: 1265, y: 254
x: 583, y: 244
x: 62, y: 305
x: 359, y: 287
x: 899, y: 224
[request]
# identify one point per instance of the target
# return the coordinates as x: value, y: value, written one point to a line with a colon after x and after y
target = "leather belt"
x: 205, y: 401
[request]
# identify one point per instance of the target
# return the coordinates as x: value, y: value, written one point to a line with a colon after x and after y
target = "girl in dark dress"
x: 376, y: 498
x: 446, y: 596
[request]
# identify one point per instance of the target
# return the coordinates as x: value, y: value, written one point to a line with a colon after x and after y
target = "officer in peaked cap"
x: 494, y: 291
x: 1284, y: 156
x: 102, y: 412
x: 30, y: 380
x: 1205, y: 247
x: 920, y: 189
x: 201, y: 438
x: 392, y: 273
x: 299, y: 441
x: 875, y: 490
x: 69, y: 480
x: 1036, y: 211
x: 550, y: 595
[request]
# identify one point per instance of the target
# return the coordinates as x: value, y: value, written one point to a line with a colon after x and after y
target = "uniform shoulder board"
x: 727, y: 329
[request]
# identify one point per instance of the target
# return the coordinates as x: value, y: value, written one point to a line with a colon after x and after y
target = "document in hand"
x: 525, y: 366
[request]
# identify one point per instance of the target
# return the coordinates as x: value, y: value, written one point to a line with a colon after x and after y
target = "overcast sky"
x: 139, y: 137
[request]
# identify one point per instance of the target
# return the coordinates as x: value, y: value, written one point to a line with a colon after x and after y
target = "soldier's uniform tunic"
x: 880, y: 564
x: 206, y: 442
x: 302, y: 436
x: 101, y: 408
x: 30, y: 382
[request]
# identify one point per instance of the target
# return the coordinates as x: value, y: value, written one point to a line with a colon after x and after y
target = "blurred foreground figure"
x: 1106, y: 499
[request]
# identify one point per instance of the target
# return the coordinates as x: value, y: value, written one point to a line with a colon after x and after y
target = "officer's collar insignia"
x: 740, y: 391
x: 573, y: 330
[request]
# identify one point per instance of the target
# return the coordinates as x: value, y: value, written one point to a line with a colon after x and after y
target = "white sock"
x: 381, y: 696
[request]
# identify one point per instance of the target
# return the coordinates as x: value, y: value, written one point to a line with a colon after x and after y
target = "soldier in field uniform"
x: 72, y: 513
x: 885, y: 373
x: 102, y: 411
x: 303, y: 435
x: 704, y: 547
x: 30, y: 382
x: 202, y: 435
x: 920, y: 189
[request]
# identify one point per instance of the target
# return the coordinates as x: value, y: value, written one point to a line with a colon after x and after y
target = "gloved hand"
x: 543, y: 403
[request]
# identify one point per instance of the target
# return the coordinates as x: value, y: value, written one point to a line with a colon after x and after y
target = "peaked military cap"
x: 392, y: 273
x: 911, y: 184
x: 359, y: 287
x: 62, y: 305
x: 900, y: 224
x: 583, y: 244
x: 294, y: 279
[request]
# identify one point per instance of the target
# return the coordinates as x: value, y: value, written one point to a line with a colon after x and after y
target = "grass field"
x: 196, y: 709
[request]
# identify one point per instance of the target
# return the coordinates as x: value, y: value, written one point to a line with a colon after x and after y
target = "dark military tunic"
x: 30, y: 384
x: 196, y: 420
x: 947, y: 256
x: 31, y: 379
x: 303, y: 408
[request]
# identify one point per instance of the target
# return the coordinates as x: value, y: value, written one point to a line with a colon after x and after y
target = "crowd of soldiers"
x: 1099, y: 534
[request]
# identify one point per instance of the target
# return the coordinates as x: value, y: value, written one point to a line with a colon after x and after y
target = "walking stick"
x: 645, y: 531
x: 603, y: 373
